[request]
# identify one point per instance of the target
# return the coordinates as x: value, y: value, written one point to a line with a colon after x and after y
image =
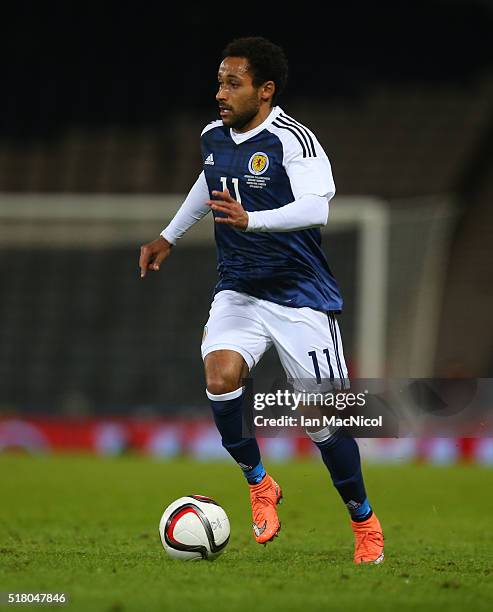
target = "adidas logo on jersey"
x: 209, y: 160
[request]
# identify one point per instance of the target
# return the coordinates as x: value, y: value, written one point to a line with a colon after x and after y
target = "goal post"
x: 401, y: 253
x: 370, y: 217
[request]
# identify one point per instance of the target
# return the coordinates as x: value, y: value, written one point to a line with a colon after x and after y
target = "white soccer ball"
x: 193, y: 528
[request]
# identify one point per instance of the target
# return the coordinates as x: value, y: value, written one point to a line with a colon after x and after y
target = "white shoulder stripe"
x: 289, y: 128
x: 211, y: 125
x: 298, y: 131
x: 304, y: 131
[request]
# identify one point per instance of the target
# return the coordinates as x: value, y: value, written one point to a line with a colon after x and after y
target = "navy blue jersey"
x: 266, y: 168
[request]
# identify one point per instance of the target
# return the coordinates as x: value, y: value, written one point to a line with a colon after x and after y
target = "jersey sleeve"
x: 192, y: 210
x: 307, y: 212
x: 308, y: 167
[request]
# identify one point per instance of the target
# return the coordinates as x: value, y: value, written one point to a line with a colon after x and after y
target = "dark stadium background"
x: 110, y: 99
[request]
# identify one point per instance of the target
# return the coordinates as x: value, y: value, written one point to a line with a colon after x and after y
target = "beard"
x: 239, y: 120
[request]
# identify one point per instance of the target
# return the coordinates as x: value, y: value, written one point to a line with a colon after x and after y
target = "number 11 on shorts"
x: 316, y: 367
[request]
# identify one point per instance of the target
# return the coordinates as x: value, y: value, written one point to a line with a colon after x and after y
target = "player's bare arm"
x: 153, y: 254
x: 236, y: 216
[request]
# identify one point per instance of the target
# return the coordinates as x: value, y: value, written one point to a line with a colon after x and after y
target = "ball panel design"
x: 194, y: 527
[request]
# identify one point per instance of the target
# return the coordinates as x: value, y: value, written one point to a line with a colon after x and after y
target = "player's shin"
x: 227, y: 411
x: 340, y: 454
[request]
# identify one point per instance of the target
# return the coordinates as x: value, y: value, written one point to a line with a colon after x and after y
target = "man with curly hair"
x: 268, y: 183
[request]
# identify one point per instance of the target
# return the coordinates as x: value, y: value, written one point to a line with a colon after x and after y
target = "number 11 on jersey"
x: 224, y: 182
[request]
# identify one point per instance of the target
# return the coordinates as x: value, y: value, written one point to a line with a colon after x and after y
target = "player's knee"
x: 222, y: 375
x: 223, y: 382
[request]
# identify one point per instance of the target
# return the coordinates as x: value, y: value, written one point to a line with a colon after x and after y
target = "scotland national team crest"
x: 258, y: 164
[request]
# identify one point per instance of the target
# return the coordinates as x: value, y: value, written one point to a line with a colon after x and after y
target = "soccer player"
x: 268, y: 183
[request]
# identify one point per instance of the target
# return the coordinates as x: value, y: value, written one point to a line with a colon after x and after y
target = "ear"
x: 267, y: 91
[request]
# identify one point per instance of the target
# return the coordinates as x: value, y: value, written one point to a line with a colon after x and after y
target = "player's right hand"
x: 153, y: 254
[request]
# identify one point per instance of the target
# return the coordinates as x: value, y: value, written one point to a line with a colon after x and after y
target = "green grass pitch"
x: 88, y: 526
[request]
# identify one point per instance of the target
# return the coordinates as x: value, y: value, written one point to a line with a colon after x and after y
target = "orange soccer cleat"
x: 264, y: 497
x: 368, y: 541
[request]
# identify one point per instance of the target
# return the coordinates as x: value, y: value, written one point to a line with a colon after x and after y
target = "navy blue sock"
x: 340, y: 454
x: 227, y: 411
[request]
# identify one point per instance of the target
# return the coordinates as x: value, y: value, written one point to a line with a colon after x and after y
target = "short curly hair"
x: 267, y: 61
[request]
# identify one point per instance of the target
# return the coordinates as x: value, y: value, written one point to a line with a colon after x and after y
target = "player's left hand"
x: 236, y: 216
